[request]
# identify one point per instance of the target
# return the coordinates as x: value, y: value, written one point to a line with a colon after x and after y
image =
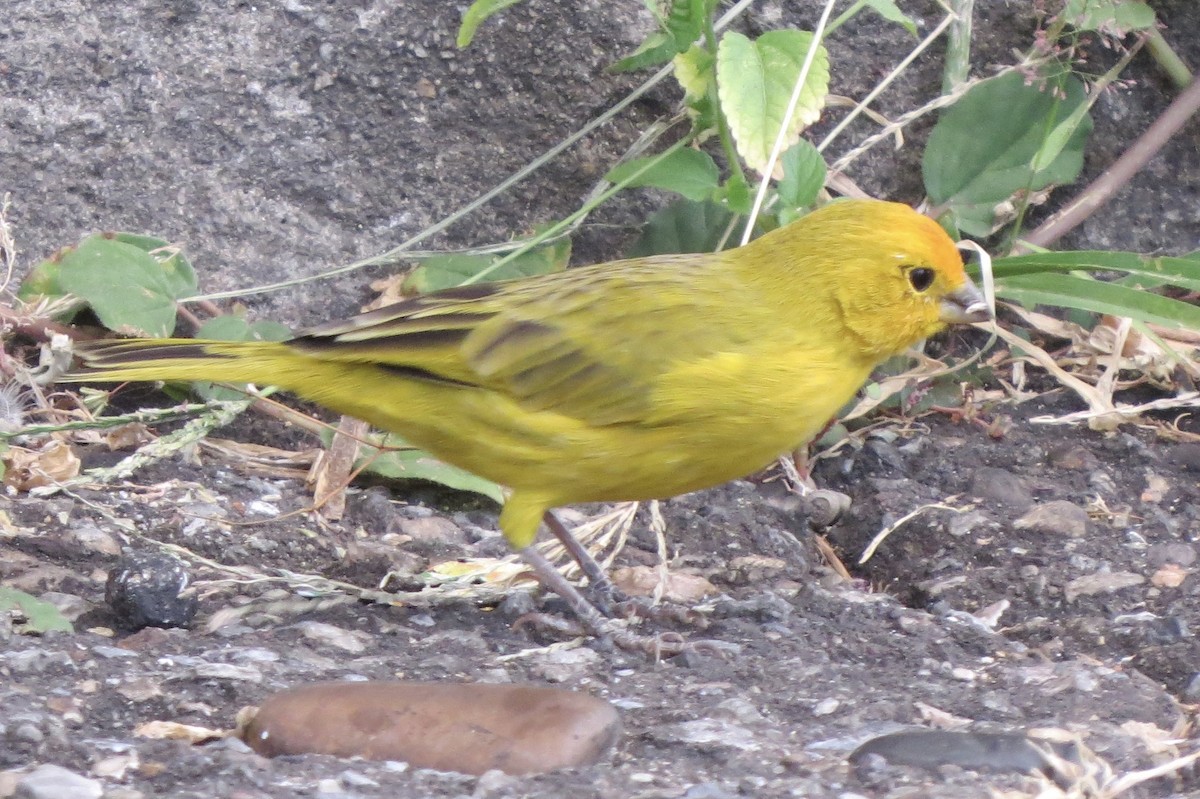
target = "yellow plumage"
x: 636, y: 379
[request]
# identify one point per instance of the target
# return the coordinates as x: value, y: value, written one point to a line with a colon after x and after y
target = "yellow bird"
x: 631, y: 380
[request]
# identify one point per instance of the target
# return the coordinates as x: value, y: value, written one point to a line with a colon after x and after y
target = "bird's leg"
x: 606, y: 591
x: 592, y: 619
x: 595, y: 623
x: 609, y: 597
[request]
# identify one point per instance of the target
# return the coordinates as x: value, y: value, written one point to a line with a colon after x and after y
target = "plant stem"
x: 723, y: 132
x: 845, y: 16
x: 958, y: 46
x: 583, y: 211
x: 1168, y: 60
x: 1097, y: 88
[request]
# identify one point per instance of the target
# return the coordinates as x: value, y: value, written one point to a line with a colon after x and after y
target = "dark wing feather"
x: 588, y: 343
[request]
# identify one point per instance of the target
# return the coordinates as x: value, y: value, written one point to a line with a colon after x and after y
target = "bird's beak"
x: 964, y: 305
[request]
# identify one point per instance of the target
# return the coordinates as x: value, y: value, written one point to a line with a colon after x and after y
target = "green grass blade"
x: 1182, y: 272
x: 1072, y: 291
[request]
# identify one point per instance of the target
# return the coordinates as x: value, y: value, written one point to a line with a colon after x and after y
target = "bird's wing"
x: 591, y: 344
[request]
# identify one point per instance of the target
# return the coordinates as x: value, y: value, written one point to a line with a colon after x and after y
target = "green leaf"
x: 684, y: 226
x: 41, y: 616
x: 45, y: 279
x: 129, y: 290
x: 177, y: 270
x: 1108, y: 16
x: 42, y: 283
x: 658, y: 48
x: 1002, y: 138
x: 892, y: 13
x: 689, y: 172
x: 475, y: 16
x: 406, y: 463
x: 230, y: 327
x: 446, y: 271
x: 803, y: 177
x: 1183, y: 272
x: 1086, y: 294
x: 695, y: 71
x: 684, y: 23
x: 737, y: 195
x: 687, y: 19
x: 1059, y: 137
x: 755, y: 81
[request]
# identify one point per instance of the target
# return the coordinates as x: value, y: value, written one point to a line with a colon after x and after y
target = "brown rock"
x: 1002, y: 487
x: 465, y: 727
x: 677, y: 586
x: 432, y: 530
x: 1169, y: 576
x: 1072, y: 456
x: 1161, y: 554
x: 1186, y: 457
x: 1058, y: 517
x: 1100, y: 583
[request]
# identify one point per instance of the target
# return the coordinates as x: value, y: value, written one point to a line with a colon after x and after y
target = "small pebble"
x: 357, y: 780
x: 1100, y: 583
x: 709, y: 734
x: 564, y: 665
x: 678, y: 587
x: 709, y: 790
x: 1185, y: 456
x: 1169, y: 576
x: 227, y: 671
x: 70, y: 606
x: 960, y: 524
x: 1001, y: 486
x: 146, y: 589
x: 826, y: 707
x: 1192, y: 691
x: 55, y: 782
x: 26, y: 733
x: 352, y: 641
x: 1102, y: 482
x: 92, y: 539
x: 1058, y: 517
x: 328, y: 786
x: 1012, y: 752
x: 1177, y: 553
x: 1075, y: 457
x: 1156, y: 488
x: 432, y: 530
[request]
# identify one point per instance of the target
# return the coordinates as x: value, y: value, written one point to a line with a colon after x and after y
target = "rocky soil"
x: 1047, y: 580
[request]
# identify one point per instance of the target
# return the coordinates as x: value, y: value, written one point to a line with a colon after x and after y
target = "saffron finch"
x: 631, y: 380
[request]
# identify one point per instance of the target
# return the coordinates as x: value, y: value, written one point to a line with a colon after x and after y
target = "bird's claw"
x: 667, y: 645
x: 548, y: 622
x: 659, y: 646
x: 639, y: 607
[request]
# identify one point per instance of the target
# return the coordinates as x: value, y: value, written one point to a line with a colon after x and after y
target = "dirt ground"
x: 1048, y: 580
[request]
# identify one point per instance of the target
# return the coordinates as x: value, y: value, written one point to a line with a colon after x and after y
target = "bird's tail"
x: 263, y: 362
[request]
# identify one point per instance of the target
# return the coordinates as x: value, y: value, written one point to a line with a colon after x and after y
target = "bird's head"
x: 897, y: 279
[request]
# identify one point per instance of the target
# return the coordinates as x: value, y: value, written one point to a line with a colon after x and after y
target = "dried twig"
x: 1122, y: 170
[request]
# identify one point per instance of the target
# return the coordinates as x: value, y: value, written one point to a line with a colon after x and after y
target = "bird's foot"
x: 658, y: 646
x: 605, y: 596
x: 591, y: 621
x: 643, y: 608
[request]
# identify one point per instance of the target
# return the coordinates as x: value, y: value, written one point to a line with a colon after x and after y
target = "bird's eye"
x: 921, y: 278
